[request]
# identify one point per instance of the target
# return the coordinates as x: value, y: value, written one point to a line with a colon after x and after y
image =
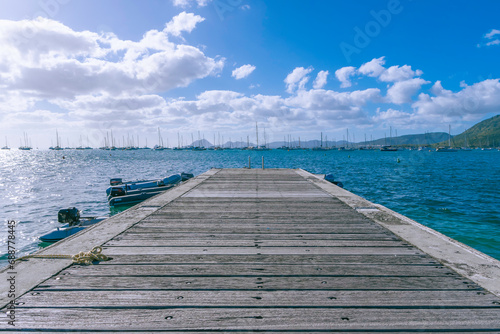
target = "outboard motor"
x: 68, y: 216
x: 117, y: 191
x: 115, y: 182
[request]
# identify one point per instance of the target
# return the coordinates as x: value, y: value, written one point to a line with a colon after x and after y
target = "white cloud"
x: 188, y: 3
x: 237, y: 111
x: 243, y: 71
x: 494, y: 42
x: 492, y: 33
x: 183, y: 22
x: 343, y: 75
x: 320, y: 99
x: 492, y: 38
x: 399, y: 73
x: 297, y: 79
x: 402, y: 91
x: 470, y: 103
x: 373, y: 68
x: 320, y: 80
x: 108, y: 102
x: 393, y: 117
x: 54, y: 61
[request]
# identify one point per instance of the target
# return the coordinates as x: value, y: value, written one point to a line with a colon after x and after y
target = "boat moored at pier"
x: 73, y: 223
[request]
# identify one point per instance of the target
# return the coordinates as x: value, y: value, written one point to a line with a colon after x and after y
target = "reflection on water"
x: 454, y: 193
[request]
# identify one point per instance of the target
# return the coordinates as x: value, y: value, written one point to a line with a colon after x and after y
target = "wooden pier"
x: 252, y: 250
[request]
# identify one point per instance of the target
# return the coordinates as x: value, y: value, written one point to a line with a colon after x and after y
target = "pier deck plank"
x: 258, y: 250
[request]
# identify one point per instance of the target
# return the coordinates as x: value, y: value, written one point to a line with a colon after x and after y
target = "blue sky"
x: 218, y: 66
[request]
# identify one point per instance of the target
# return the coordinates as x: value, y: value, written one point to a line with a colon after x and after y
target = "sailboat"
x: 449, y: 148
x: 320, y: 148
x: 466, y: 148
x: 26, y: 146
x: 6, y: 147
x: 261, y: 147
x: 57, y: 147
x: 159, y: 147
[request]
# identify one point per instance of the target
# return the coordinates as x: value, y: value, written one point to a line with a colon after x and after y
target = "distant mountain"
x: 410, y: 140
x: 483, y: 134
x: 406, y: 140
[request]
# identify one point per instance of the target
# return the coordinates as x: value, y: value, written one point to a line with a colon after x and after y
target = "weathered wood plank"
x: 121, y: 241
x: 258, y: 250
x: 154, y: 227
x: 276, y: 269
x: 73, y: 282
x: 325, y: 298
x: 146, y: 250
x: 298, y: 260
x: 194, y: 235
x: 259, y: 220
x: 260, y: 319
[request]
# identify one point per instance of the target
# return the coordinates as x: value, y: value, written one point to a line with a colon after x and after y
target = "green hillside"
x: 411, y: 140
x: 483, y: 134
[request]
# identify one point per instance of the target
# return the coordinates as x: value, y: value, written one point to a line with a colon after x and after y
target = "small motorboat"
x: 388, y: 149
x: 73, y: 223
x: 127, y: 193
x: 133, y: 185
x: 135, y: 197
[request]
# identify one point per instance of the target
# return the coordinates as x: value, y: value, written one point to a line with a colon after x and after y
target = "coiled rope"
x: 85, y: 258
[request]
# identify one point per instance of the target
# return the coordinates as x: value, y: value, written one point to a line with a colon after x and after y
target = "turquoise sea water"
x: 455, y: 193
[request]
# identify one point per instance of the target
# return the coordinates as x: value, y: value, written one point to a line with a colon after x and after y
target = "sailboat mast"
x: 449, y: 135
x: 257, y: 134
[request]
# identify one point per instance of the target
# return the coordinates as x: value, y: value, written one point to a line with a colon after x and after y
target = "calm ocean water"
x: 455, y: 193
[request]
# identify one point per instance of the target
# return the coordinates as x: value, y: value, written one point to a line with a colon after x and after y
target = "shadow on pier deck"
x: 260, y: 250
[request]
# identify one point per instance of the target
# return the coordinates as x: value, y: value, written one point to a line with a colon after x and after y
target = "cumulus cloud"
x: 320, y: 80
x: 469, y: 103
x: 243, y: 71
x: 403, y: 91
x: 399, y: 73
x: 393, y: 117
x: 344, y: 74
x: 43, y: 58
x: 375, y: 69
x: 320, y: 99
x: 183, y: 22
x: 306, y: 108
x: 297, y: 79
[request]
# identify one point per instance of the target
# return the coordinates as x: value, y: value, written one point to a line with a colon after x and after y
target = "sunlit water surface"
x: 455, y: 193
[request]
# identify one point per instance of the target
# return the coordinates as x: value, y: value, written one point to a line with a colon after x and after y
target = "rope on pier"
x: 81, y: 258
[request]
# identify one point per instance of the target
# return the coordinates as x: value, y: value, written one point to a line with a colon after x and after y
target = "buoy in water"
x: 398, y: 160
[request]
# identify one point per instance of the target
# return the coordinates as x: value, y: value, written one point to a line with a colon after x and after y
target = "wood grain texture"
x: 256, y: 251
